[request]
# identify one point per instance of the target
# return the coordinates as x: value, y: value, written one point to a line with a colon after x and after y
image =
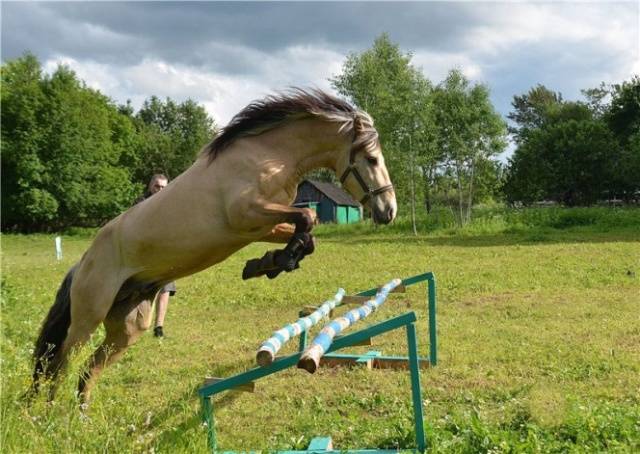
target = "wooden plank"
x: 397, y: 363
x: 248, y: 387
x: 352, y: 300
x: 308, y: 310
x: 345, y: 362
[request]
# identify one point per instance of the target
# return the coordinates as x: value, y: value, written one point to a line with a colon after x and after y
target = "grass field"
x: 539, y: 332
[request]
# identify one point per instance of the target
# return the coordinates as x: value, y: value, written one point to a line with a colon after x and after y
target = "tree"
x: 623, y: 115
x: 24, y: 192
x: 382, y: 81
x: 61, y: 143
x: 70, y: 156
x: 531, y: 111
x: 469, y: 133
x: 623, y: 119
x: 81, y: 149
x: 567, y: 159
x: 171, y: 135
x: 576, y: 153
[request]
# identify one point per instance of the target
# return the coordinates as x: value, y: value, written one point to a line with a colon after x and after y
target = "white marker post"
x: 59, y: 248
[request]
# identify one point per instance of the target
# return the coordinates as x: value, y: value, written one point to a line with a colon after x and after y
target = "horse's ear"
x: 358, y: 126
x: 362, y: 122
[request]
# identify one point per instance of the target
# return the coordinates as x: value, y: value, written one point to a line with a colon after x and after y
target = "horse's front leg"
x: 295, y: 230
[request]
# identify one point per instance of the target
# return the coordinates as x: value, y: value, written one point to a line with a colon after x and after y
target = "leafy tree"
x: 623, y: 119
x: 531, y: 111
x: 575, y: 152
x: 382, y: 81
x: 81, y: 151
x: 61, y: 143
x: 569, y: 159
x: 25, y: 196
x: 69, y: 154
x: 469, y: 133
x: 171, y: 135
x: 623, y: 114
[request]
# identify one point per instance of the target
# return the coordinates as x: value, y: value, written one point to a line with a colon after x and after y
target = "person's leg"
x: 162, y: 303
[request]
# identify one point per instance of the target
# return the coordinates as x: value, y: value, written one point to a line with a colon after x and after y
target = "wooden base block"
x: 397, y: 363
x: 352, y: 300
x: 346, y: 362
x: 371, y: 362
x: 308, y: 310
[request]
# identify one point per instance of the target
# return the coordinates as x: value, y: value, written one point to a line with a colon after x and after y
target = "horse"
x: 238, y: 191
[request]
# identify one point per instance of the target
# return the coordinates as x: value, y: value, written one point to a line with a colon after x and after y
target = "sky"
x: 224, y: 55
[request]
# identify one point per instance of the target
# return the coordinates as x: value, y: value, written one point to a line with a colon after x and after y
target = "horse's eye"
x: 373, y: 161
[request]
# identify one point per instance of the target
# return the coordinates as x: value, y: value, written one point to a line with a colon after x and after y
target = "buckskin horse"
x: 238, y: 191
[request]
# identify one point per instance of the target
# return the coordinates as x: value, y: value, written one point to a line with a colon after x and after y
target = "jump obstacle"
x: 329, y: 340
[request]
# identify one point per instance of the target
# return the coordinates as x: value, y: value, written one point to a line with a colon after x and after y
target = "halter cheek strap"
x: 368, y: 192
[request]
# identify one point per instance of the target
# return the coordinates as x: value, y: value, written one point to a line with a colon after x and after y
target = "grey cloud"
x: 180, y: 31
x: 234, y: 38
x: 565, y: 69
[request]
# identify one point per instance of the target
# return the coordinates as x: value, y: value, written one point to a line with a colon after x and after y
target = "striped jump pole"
x: 310, y: 359
x: 267, y: 351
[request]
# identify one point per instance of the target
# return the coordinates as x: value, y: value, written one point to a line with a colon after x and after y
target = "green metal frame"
x: 406, y: 320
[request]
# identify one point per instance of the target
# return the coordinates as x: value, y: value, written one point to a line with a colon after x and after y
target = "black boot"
x: 157, y: 332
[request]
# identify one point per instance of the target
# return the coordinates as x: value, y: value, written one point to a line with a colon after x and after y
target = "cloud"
x: 222, y: 94
x: 436, y: 65
x: 225, y: 54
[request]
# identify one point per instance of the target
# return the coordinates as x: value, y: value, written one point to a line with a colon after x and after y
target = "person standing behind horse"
x: 156, y: 184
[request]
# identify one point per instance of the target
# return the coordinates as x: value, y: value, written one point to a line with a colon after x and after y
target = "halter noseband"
x: 368, y: 193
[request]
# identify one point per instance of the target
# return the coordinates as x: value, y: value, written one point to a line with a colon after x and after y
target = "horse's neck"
x: 314, y: 144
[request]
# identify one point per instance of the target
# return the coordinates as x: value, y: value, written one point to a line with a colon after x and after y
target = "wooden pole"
x: 310, y: 359
x: 267, y: 351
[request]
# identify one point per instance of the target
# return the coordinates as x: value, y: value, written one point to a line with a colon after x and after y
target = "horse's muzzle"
x: 384, y: 216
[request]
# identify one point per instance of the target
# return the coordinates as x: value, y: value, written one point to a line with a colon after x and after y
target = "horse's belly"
x: 176, y: 262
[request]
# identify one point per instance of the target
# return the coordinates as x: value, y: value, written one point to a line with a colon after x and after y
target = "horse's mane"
x: 295, y: 104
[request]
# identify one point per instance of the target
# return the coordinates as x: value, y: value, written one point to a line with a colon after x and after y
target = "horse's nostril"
x: 391, y: 213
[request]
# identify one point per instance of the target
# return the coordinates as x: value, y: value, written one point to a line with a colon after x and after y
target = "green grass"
x: 497, y: 219
x: 539, y: 338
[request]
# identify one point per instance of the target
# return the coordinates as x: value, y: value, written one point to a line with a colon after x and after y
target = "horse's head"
x: 363, y: 173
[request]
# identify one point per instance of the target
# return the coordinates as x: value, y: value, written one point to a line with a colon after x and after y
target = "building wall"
x: 327, y: 209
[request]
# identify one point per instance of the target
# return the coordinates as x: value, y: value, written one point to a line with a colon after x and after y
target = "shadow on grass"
x: 166, y: 439
x: 491, y: 240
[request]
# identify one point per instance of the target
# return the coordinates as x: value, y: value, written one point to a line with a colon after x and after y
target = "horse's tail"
x: 54, y: 331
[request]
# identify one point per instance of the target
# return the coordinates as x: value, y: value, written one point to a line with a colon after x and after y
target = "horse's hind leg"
x: 78, y: 334
x: 92, y: 293
x: 87, y: 312
x: 125, y: 323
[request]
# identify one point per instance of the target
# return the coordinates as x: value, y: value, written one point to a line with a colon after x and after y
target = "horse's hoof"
x: 251, y: 269
x: 310, y: 245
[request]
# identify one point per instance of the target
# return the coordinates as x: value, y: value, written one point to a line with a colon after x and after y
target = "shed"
x: 331, y: 203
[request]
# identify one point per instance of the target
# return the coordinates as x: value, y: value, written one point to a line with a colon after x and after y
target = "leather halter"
x: 368, y: 193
